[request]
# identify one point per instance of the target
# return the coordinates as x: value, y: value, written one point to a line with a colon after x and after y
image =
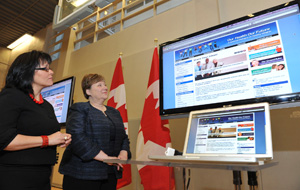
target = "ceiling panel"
x: 18, y: 17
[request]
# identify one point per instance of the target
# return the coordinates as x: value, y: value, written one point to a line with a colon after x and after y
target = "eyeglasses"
x: 43, y: 69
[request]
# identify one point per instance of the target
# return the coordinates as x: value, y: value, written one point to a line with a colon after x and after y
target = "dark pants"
x: 25, y: 177
x: 70, y: 183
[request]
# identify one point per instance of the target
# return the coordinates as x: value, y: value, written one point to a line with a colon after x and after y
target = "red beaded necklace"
x: 35, y: 100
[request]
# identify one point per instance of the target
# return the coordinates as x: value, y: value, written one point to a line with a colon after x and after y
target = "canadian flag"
x: 117, y: 100
x: 154, y: 136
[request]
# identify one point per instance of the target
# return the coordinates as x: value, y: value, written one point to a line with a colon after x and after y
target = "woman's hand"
x: 123, y: 155
x: 61, y: 139
x: 103, y: 156
x: 68, y: 140
x: 21, y: 142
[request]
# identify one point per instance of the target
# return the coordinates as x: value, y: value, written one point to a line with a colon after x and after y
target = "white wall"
x: 4, y: 57
x: 232, y: 9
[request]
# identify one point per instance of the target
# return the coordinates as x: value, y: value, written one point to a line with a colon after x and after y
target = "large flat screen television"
x: 251, y: 59
x: 60, y: 96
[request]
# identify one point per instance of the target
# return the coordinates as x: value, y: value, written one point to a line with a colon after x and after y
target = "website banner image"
x: 226, y: 135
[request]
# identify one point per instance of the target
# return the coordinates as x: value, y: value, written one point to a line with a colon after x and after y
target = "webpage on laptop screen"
x: 240, y: 133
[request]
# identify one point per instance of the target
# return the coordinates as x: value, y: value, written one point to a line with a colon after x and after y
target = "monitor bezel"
x: 183, y: 112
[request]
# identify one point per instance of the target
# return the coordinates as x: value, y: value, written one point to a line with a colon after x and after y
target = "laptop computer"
x: 227, y: 134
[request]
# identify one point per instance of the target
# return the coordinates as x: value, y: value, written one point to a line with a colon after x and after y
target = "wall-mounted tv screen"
x: 60, y: 95
x: 255, y: 58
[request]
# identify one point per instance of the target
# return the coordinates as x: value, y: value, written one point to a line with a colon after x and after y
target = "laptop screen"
x: 237, y: 130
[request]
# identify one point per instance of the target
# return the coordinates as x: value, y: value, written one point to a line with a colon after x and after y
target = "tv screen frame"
x: 167, y: 88
x: 50, y: 94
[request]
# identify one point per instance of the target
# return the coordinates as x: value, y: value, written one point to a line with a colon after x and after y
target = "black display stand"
x: 237, y: 168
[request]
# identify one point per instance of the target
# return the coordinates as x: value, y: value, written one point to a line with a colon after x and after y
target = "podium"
x: 237, y: 168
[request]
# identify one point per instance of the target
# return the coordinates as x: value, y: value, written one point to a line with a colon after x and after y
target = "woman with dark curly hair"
x: 29, y: 130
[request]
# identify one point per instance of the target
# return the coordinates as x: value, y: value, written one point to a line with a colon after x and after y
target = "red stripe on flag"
x: 117, y: 99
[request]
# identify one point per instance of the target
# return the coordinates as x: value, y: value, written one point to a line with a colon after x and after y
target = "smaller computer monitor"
x: 60, y: 95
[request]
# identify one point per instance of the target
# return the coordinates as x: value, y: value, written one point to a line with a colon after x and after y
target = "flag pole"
x: 120, y: 54
x: 155, y: 42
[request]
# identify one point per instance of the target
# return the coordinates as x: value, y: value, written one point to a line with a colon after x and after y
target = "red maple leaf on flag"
x: 149, y: 120
x: 154, y: 136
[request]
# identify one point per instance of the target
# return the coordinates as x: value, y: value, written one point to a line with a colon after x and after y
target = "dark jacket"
x: 90, y: 132
x: 19, y: 114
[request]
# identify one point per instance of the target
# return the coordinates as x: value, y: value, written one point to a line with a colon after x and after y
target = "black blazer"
x: 90, y: 132
x: 19, y: 114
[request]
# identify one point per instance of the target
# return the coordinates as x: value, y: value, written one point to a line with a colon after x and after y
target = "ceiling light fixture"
x: 19, y: 41
x: 78, y: 3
